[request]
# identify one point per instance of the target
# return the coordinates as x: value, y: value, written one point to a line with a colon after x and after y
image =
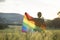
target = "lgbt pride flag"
x: 28, y: 25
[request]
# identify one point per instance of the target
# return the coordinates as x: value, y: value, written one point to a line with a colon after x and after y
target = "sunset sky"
x: 49, y: 8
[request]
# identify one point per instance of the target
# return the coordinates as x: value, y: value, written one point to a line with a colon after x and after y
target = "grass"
x: 16, y: 34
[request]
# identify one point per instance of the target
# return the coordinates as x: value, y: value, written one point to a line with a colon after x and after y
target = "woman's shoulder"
x: 39, y: 18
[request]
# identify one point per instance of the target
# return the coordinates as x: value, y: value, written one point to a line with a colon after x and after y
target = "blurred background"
x: 12, y: 14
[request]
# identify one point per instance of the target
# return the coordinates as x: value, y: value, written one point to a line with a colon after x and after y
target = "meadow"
x: 15, y: 33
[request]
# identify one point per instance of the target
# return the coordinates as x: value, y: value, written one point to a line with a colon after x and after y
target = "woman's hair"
x: 39, y: 14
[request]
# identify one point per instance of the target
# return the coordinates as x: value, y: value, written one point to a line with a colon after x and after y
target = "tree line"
x: 55, y: 23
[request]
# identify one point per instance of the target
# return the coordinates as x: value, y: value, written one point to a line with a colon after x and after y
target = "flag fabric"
x: 29, y: 25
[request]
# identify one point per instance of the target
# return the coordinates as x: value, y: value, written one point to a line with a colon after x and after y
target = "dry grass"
x: 16, y: 34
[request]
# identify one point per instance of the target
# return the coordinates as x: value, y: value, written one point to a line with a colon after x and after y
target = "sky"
x: 48, y: 8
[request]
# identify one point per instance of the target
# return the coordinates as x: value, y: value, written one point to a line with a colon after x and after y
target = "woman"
x: 39, y: 22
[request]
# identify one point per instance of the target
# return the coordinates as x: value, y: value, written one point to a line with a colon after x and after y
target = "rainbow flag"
x: 28, y: 25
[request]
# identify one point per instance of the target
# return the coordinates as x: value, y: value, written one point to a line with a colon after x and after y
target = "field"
x: 14, y: 33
